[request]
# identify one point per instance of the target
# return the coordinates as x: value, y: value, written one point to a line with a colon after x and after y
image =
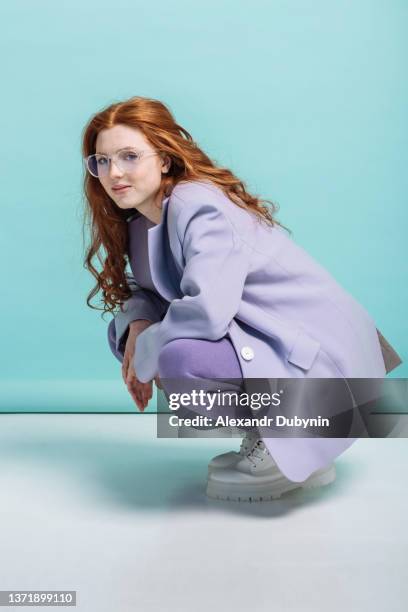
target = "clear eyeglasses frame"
x: 126, y: 160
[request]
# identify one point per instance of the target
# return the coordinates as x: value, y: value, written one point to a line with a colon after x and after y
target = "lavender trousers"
x: 186, y: 364
x: 191, y: 357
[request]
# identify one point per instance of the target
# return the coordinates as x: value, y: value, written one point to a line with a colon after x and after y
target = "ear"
x: 166, y: 163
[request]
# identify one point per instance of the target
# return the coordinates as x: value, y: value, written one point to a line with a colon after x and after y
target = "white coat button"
x: 247, y: 353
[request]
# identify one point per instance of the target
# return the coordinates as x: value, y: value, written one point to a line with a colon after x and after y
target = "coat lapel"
x: 162, y: 268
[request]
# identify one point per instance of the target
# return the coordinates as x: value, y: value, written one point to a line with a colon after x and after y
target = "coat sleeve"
x: 216, y: 263
x: 143, y: 304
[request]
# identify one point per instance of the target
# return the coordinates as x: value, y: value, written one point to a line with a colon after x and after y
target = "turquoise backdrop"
x: 305, y: 101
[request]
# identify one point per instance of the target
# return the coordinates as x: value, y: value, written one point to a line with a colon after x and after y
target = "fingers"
x: 140, y: 392
x: 147, y: 393
x: 125, y: 364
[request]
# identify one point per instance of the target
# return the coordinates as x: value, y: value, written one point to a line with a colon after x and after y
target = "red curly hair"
x: 107, y: 222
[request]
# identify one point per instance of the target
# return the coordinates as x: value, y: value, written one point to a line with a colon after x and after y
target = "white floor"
x: 98, y: 504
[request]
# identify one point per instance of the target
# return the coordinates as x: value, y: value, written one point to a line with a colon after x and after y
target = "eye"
x: 130, y: 156
x: 101, y: 161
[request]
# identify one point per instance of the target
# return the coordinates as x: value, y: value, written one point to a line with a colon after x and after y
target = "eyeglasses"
x: 126, y: 160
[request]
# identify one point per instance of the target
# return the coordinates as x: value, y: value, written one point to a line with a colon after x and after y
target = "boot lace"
x: 248, y: 441
x: 258, y: 452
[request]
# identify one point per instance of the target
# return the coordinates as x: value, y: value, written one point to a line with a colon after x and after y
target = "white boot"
x: 231, y: 458
x: 255, y: 477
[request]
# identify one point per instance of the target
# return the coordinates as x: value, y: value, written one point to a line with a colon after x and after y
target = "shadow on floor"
x: 150, y: 474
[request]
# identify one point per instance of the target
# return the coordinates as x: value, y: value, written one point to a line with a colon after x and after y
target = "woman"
x: 219, y: 290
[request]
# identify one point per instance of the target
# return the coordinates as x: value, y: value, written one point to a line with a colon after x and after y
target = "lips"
x: 120, y: 188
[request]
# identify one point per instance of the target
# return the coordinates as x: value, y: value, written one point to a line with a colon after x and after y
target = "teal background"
x: 304, y: 101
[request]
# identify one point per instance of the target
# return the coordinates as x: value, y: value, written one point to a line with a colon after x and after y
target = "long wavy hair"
x: 107, y: 223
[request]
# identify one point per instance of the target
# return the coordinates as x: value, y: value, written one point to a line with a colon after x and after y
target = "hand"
x: 140, y: 392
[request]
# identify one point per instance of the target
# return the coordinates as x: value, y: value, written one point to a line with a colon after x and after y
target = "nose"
x: 114, y: 170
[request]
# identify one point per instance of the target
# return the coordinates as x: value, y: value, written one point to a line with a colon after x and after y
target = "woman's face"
x: 142, y: 178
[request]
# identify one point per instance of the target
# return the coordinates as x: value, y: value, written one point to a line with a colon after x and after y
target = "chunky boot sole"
x: 230, y: 466
x: 264, y: 491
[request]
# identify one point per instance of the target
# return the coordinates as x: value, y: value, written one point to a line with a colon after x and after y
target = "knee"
x: 176, y: 358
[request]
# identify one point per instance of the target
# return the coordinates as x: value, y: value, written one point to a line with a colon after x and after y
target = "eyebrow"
x: 117, y: 150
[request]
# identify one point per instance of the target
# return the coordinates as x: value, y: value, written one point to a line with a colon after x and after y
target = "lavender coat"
x: 221, y: 272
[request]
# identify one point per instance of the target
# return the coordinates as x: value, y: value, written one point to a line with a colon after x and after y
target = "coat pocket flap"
x: 304, y: 351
